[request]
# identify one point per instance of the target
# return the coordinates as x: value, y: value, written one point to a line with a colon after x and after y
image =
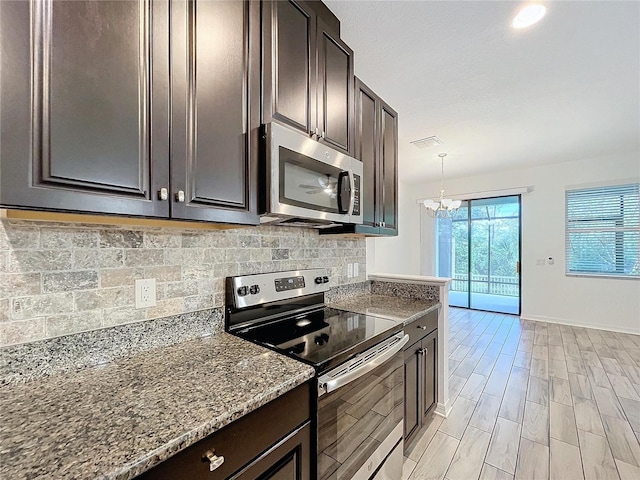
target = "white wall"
x: 547, y: 293
x: 399, y: 254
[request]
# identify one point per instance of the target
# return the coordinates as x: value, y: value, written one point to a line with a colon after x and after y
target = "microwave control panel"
x: 356, y: 195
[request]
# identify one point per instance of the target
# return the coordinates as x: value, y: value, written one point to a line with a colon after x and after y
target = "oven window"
x: 355, y: 419
x: 306, y: 182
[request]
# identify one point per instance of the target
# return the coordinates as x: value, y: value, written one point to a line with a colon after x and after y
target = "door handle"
x: 328, y: 383
x: 214, y: 460
x: 342, y: 208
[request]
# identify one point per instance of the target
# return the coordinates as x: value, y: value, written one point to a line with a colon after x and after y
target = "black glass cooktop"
x: 323, y: 337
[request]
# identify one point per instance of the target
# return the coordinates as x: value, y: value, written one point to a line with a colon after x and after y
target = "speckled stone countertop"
x: 117, y: 420
x: 400, y: 309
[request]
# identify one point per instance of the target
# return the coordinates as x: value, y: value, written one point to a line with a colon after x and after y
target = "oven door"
x: 360, y: 415
x: 307, y: 179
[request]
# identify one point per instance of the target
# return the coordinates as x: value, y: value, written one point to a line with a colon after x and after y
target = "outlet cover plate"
x: 349, y: 270
x: 145, y: 293
x: 355, y: 269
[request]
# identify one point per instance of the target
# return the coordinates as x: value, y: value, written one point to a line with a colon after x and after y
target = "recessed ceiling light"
x: 529, y: 15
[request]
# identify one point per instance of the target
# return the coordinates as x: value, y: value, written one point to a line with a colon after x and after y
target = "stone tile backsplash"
x: 57, y: 279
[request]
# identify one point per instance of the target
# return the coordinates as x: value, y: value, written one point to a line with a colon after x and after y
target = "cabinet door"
x: 335, y: 89
x: 366, y: 150
x: 412, y: 381
x: 85, y: 105
x: 288, y: 460
x: 430, y: 355
x: 289, y: 64
x: 215, y: 75
x: 389, y: 169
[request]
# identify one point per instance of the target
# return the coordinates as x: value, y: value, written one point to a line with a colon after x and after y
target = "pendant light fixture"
x: 442, y: 207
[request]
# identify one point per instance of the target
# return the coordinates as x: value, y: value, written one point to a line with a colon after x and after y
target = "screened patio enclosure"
x: 480, y: 250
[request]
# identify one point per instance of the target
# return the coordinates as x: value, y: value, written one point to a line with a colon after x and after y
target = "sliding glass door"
x: 480, y: 250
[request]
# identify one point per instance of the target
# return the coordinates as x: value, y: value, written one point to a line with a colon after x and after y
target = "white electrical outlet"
x: 355, y: 269
x: 146, y: 293
x: 349, y: 270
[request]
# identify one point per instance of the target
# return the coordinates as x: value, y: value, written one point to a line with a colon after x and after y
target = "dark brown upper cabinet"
x: 307, y: 72
x: 121, y: 117
x: 215, y: 88
x: 376, y: 146
x: 85, y: 106
x: 388, y: 166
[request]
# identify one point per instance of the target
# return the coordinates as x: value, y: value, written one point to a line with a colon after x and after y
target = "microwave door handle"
x: 352, y: 196
x: 341, y: 202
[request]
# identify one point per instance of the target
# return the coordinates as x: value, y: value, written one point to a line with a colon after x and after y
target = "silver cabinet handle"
x: 163, y: 193
x: 323, y: 135
x: 180, y: 196
x: 422, y: 327
x: 423, y: 351
x: 214, y: 460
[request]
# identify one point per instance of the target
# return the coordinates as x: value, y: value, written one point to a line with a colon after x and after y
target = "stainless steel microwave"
x: 306, y: 183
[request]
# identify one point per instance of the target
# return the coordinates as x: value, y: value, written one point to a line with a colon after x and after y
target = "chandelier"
x: 442, y: 207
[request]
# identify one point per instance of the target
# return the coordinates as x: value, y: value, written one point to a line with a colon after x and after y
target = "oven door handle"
x: 327, y: 384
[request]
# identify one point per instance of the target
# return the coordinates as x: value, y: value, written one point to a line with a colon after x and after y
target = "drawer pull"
x: 423, y: 351
x: 422, y: 327
x: 214, y: 460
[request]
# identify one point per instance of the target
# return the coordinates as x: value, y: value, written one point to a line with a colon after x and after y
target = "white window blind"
x: 602, y: 231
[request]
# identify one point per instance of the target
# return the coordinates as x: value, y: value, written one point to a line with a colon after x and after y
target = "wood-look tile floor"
x: 534, y: 401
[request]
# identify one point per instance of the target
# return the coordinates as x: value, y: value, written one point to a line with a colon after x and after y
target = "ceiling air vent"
x: 427, y: 142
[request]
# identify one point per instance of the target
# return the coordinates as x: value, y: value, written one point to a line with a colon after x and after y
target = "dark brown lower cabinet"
x: 272, y: 442
x: 421, y: 377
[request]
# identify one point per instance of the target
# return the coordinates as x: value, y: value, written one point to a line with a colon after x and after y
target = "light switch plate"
x: 349, y: 270
x: 355, y: 269
x: 145, y: 292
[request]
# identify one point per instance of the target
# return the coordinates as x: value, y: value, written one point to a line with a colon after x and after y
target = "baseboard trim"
x: 443, y: 409
x: 563, y: 321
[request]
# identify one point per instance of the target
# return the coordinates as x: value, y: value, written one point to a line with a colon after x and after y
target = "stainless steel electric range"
x: 358, y: 361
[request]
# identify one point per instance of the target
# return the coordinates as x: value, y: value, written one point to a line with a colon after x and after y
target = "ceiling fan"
x: 327, y: 185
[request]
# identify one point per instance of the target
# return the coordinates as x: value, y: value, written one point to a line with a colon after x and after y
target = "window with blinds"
x: 603, y: 231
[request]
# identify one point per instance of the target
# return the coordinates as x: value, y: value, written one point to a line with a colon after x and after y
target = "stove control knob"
x: 254, y: 289
x: 242, y: 291
x: 325, y: 279
x: 318, y: 280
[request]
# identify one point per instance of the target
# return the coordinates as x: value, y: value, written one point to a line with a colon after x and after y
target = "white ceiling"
x: 567, y: 88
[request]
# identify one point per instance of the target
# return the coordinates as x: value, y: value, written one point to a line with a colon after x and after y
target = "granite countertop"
x: 400, y: 309
x: 119, y: 419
